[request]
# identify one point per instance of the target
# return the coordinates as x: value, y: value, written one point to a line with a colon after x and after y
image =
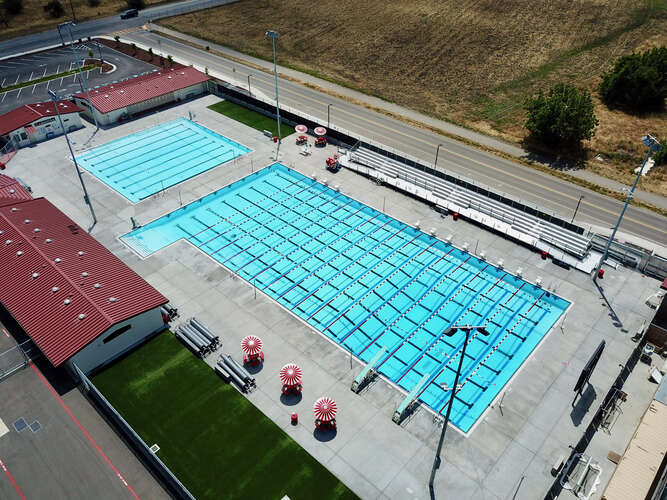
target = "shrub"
x: 637, y: 82
x: 13, y: 7
x: 150, y: 51
x: 134, y: 48
x: 171, y: 60
x: 91, y: 53
x: 136, y: 4
x: 561, y: 118
x: 54, y: 8
x: 660, y: 157
x: 117, y: 38
x: 207, y: 48
x: 93, y: 3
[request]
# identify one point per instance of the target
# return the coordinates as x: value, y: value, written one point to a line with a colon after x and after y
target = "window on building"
x: 116, y: 334
x: 44, y: 122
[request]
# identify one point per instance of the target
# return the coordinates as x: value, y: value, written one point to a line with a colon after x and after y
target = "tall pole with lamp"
x: 55, y: 98
x: 84, y: 87
x: 274, y: 35
x: 449, y: 332
x: 435, y: 163
x: 653, y: 145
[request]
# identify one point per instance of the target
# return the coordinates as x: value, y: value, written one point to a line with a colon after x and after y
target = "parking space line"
x: 17, y: 79
x: 3, y: 82
x: 16, y: 486
x: 19, y: 93
x: 33, y: 89
x: 3, y: 97
x: 84, y: 432
x: 31, y: 73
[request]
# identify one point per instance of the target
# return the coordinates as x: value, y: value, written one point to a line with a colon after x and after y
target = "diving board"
x: 368, y: 371
x: 410, y: 399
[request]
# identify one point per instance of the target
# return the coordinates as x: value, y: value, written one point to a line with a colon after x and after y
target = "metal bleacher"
x: 524, y: 226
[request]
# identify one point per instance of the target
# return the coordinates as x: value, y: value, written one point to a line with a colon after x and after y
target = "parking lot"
x: 42, y: 64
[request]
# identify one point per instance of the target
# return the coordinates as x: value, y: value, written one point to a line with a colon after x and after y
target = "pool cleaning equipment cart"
x: 252, y: 350
x: 290, y: 376
x: 333, y: 164
x: 410, y: 400
x: 325, y: 414
x: 368, y: 372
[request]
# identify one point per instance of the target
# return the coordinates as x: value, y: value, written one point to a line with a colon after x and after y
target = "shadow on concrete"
x: 583, y: 404
x: 612, y: 314
x: 253, y: 369
x: 323, y: 435
x: 291, y: 399
x: 591, y: 429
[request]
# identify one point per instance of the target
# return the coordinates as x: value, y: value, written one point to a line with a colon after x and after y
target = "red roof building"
x: 129, y: 97
x: 66, y: 290
x: 11, y: 191
x: 26, y: 115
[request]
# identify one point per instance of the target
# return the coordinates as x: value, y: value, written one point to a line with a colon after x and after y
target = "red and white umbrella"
x: 302, y: 129
x: 251, y: 345
x: 320, y: 131
x: 325, y: 409
x: 290, y: 374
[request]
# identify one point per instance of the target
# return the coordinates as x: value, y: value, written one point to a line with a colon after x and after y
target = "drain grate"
x: 155, y: 448
x: 20, y: 425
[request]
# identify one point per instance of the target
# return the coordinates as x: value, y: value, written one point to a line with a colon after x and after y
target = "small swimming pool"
x: 157, y: 158
x: 369, y: 283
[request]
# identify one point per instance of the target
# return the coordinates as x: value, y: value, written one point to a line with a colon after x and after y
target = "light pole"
x: 84, y: 87
x: 274, y: 35
x: 329, y: 114
x: 437, y: 151
x: 653, y: 145
x: 55, y: 98
x: 449, y: 332
x: 250, y: 93
x: 99, y: 47
x: 576, y: 209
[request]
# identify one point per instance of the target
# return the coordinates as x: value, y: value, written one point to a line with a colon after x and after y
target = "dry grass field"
x: 33, y: 18
x: 468, y: 61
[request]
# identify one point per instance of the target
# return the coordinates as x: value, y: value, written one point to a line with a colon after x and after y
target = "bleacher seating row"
x: 451, y: 195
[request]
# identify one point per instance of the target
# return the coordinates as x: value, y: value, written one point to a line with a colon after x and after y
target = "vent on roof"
x: 54, y: 289
x: 14, y: 209
x: 66, y: 301
x: 56, y: 260
x: 81, y: 316
x: 112, y: 299
x: 27, y: 221
x: 36, y: 230
x: 169, y: 77
x: 34, y: 275
x: 182, y: 73
x: 122, y: 91
x: 19, y: 253
x: 84, y: 274
x: 48, y: 240
x: 0, y: 231
x: 80, y: 253
x: 8, y: 242
x: 11, y: 191
x: 96, y: 285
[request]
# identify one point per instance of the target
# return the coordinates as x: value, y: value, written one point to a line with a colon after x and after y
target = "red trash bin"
x: 544, y: 255
x: 601, y: 273
x: 295, y: 418
x: 455, y: 216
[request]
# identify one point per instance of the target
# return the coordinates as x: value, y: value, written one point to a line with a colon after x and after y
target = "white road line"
x: 47, y: 85
x: 3, y: 82
x: 58, y: 69
x: 31, y: 73
x: 17, y: 79
x: 33, y: 89
x: 19, y: 93
x: 44, y: 73
x: 3, y: 96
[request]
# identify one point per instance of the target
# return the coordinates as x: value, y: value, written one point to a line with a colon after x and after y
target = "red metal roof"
x: 11, y: 191
x: 60, y: 284
x: 139, y: 89
x: 28, y: 113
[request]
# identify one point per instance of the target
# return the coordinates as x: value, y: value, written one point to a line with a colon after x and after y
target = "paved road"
x: 29, y: 67
x: 530, y: 186
x: 104, y: 25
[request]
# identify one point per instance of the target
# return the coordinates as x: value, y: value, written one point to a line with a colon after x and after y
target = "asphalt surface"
x: 104, y: 25
x: 530, y: 186
x: 55, y: 61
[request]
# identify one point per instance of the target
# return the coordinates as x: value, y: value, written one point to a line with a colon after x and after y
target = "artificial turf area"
x: 215, y: 441
x: 251, y: 118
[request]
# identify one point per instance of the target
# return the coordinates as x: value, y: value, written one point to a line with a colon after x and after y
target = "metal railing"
x: 169, y: 480
x: 16, y: 358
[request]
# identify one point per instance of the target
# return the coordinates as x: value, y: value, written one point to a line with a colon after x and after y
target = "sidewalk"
x: 400, y: 111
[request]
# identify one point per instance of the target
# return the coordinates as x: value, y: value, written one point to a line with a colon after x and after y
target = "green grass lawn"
x: 216, y: 442
x: 251, y: 118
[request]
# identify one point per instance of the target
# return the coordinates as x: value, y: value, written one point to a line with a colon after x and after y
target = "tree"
x: 660, y: 156
x: 171, y: 60
x: 54, y: 8
x: 134, y: 48
x: 150, y: 51
x: 117, y: 38
x: 637, y: 82
x: 561, y: 118
x: 93, y: 3
x: 136, y: 4
x: 13, y: 7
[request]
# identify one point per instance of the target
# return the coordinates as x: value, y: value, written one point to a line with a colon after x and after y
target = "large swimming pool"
x: 157, y: 158
x: 368, y: 282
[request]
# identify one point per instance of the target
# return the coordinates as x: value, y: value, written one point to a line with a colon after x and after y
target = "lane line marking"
x: 16, y: 486
x: 84, y: 431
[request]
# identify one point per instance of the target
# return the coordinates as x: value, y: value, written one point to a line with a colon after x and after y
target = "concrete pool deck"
x: 512, y: 447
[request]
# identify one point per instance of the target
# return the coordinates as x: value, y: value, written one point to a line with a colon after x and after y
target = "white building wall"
x: 45, y: 126
x: 99, y: 353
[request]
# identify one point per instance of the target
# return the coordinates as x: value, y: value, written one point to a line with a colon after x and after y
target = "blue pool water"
x: 154, y: 159
x: 368, y: 281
